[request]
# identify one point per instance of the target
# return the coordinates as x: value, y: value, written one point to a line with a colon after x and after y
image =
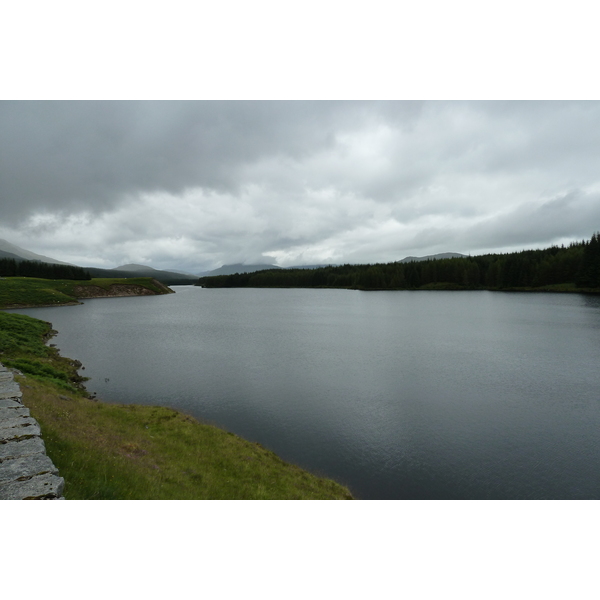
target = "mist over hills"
x: 575, y: 268
x: 9, y: 255
x: 12, y: 251
x: 241, y: 268
x: 166, y: 277
x: 237, y: 268
x: 134, y: 267
x: 234, y: 268
x: 8, y: 250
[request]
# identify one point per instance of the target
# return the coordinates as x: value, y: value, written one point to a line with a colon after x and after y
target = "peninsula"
x: 25, y: 292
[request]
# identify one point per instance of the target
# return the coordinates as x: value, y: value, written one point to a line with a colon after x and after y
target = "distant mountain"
x: 237, y: 268
x: 184, y: 273
x: 10, y: 255
x: 132, y: 270
x: 433, y: 257
x: 8, y: 250
x: 19, y: 253
x: 133, y: 267
x: 241, y: 268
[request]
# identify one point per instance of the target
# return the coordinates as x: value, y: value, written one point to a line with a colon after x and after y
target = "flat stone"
x: 40, y: 487
x: 25, y: 467
x: 7, y: 412
x: 14, y: 433
x: 10, y: 389
x: 9, y: 384
x: 26, y: 472
x: 18, y: 421
x: 9, y: 402
x: 15, y: 449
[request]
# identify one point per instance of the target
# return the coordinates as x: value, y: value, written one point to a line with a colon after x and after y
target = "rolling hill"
x: 14, y: 252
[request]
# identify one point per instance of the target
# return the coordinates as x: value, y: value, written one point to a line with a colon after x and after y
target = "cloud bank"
x: 193, y: 185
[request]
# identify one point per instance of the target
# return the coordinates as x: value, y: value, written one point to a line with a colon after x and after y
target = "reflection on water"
x: 396, y: 394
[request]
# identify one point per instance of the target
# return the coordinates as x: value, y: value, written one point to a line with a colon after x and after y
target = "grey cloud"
x: 233, y: 181
x: 90, y: 154
x: 574, y: 215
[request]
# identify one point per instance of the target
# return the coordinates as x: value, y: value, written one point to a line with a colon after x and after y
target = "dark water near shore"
x: 447, y: 395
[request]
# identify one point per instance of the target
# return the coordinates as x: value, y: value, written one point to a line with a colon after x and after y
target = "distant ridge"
x: 237, y: 268
x: 433, y: 257
x: 241, y: 268
x: 10, y: 255
x: 132, y: 270
x: 134, y: 267
x: 8, y: 250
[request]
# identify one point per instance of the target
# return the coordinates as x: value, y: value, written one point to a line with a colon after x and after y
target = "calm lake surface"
x: 420, y: 395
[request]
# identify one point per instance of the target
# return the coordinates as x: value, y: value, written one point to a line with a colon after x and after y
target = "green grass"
x: 18, y: 292
x: 23, y: 347
x: 110, y: 451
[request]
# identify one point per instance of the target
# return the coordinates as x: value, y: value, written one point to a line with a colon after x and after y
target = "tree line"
x: 576, y: 265
x: 9, y: 267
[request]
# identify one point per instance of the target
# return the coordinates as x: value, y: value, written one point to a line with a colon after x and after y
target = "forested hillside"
x: 33, y: 268
x: 574, y: 267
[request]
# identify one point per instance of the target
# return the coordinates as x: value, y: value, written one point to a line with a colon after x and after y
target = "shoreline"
x: 131, y: 451
x: 587, y: 291
x: 31, y: 292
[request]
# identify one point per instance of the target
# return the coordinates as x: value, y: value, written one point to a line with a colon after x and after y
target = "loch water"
x: 398, y: 395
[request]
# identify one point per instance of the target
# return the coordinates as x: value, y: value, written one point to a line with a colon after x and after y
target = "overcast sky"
x: 197, y: 184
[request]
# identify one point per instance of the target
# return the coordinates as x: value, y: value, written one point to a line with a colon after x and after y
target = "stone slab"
x: 8, y: 385
x: 26, y: 472
x: 40, y: 487
x: 9, y: 402
x: 15, y: 449
x: 14, y: 433
x: 25, y: 467
x: 18, y: 421
x: 8, y: 412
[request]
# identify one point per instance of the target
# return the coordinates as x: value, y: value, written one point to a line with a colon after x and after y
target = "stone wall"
x: 26, y: 473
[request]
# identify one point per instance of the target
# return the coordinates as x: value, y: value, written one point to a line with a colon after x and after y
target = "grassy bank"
x: 109, y: 451
x: 20, y: 292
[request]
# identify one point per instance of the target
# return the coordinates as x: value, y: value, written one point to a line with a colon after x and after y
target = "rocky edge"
x: 26, y: 472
